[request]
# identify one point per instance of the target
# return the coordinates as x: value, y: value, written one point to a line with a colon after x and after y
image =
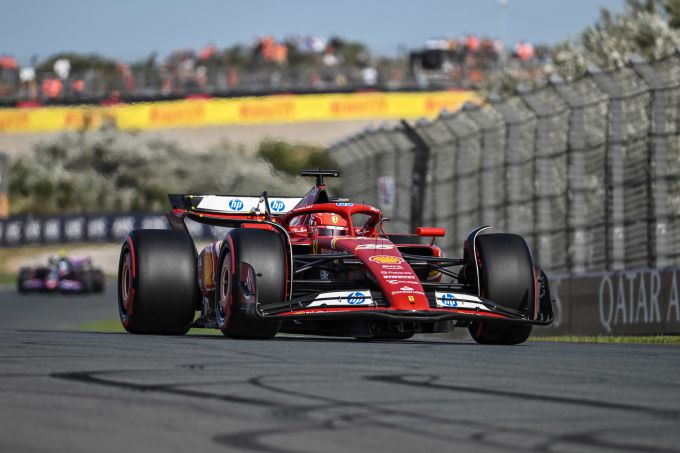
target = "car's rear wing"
x: 233, y: 204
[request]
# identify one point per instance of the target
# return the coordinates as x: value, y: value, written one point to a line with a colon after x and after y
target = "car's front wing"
x: 369, y: 304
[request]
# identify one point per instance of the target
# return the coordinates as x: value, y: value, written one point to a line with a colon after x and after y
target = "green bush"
x: 291, y: 158
x: 113, y: 171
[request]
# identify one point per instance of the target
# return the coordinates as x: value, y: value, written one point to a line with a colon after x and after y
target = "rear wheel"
x: 507, y: 278
x: 264, y: 251
x: 24, y: 273
x: 157, y: 287
x: 98, y: 281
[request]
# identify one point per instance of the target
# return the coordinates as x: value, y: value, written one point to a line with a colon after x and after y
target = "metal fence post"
x: 521, y: 123
x: 492, y: 162
x: 419, y: 181
x: 586, y: 216
x: 467, y: 195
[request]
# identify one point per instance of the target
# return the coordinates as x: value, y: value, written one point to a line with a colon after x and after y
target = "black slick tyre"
x: 157, y: 287
x: 98, y: 281
x: 507, y: 278
x: 264, y: 251
x: 24, y: 273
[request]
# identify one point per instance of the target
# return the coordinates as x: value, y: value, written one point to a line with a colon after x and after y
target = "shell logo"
x: 386, y: 259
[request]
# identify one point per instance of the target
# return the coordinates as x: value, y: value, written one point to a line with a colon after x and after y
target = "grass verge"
x: 619, y: 339
x: 7, y: 278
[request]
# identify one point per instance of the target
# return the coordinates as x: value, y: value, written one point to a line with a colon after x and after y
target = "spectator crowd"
x: 294, y: 64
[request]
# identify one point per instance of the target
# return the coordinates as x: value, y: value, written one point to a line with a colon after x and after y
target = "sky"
x: 132, y: 29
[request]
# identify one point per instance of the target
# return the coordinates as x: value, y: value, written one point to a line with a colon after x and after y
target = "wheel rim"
x: 224, y: 301
x: 126, y: 289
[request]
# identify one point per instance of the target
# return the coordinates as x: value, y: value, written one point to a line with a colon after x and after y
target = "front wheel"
x: 506, y: 277
x: 498, y: 332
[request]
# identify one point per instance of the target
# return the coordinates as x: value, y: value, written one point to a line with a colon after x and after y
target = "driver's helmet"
x: 328, y: 224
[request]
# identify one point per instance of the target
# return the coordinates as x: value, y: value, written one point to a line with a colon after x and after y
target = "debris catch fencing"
x: 587, y: 171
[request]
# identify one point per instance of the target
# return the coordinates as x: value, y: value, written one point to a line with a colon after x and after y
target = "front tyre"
x: 157, y: 288
x: 264, y: 251
x: 506, y: 276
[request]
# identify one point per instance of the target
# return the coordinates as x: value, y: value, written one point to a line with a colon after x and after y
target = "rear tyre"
x: 98, y: 281
x: 264, y: 251
x: 507, y: 278
x: 24, y: 273
x: 85, y: 279
x: 157, y: 286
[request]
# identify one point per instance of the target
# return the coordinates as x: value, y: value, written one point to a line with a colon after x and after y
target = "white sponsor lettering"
x: 154, y: 223
x: 343, y: 299
x: 13, y: 232
x: 51, y: 230
x: 630, y: 298
x: 73, y: 228
x: 96, y: 228
x: 407, y: 292
x: 673, y: 303
x: 373, y: 247
x: 459, y: 300
x: 244, y: 205
x: 122, y: 226
x: 395, y: 273
x: 32, y: 230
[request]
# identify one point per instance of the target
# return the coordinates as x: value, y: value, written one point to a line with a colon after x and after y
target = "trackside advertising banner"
x: 644, y: 301
x: 65, y: 229
x: 244, y: 110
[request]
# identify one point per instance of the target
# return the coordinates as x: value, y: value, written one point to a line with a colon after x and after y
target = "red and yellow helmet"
x: 328, y: 224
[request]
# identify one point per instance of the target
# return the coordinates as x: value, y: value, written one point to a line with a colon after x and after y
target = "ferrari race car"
x: 62, y: 274
x: 323, y: 266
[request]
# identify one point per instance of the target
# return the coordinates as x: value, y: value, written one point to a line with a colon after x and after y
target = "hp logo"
x: 448, y: 300
x: 235, y: 204
x: 277, y: 205
x: 356, y: 298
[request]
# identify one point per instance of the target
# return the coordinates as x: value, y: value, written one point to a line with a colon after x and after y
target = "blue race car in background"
x: 62, y: 274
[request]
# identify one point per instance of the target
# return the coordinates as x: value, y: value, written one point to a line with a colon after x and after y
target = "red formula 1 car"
x: 323, y: 266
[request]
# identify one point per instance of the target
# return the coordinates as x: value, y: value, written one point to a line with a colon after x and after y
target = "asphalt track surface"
x: 64, y: 390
